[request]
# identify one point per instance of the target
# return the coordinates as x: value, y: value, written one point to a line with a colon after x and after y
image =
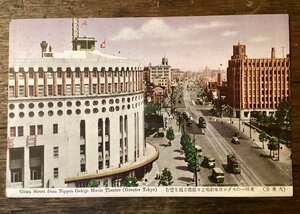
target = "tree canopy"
x: 273, y: 144
x: 263, y: 137
x: 93, y: 183
x: 283, y: 113
x: 166, y: 179
x: 151, y: 108
x: 170, y: 134
x: 130, y: 181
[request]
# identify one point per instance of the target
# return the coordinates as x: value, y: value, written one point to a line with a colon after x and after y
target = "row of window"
x: 77, y: 111
x: 261, y: 105
x: 69, y: 74
x: 33, y: 130
x: 77, y: 103
x: 267, y: 64
x: 77, y: 89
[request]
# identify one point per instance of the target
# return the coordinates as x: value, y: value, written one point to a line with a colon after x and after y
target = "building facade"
x: 162, y: 71
x: 74, y: 117
x: 256, y: 85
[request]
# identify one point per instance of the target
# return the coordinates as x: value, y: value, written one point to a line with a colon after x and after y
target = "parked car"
x: 159, y: 135
x: 235, y: 140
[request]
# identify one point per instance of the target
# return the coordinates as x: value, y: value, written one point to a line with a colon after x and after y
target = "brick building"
x: 256, y: 84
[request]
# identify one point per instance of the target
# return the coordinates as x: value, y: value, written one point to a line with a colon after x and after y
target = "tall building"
x: 160, y: 72
x: 257, y: 85
x: 74, y: 117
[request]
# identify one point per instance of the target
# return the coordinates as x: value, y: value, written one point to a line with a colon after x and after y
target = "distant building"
x: 146, y: 75
x: 161, y: 81
x: 160, y: 71
x: 256, y: 84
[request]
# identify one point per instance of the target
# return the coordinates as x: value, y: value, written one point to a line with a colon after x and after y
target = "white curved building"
x: 73, y: 117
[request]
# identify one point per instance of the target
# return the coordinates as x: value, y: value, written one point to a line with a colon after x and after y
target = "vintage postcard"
x: 161, y: 106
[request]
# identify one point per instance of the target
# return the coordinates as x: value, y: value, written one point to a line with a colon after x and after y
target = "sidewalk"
x: 170, y: 157
x: 284, y: 155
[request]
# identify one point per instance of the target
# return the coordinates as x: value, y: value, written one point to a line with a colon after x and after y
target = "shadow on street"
x: 184, y: 168
x: 185, y: 179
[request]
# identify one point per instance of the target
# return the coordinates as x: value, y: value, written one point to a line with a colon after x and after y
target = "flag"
x: 84, y: 22
x: 102, y: 45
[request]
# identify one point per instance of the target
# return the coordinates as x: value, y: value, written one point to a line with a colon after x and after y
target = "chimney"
x: 273, y: 53
x: 44, y: 46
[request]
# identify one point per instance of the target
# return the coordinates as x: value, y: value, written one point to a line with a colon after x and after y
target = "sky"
x: 189, y: 43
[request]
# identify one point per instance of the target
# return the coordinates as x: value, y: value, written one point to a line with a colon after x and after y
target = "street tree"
x: 191, y: 156
x: 151, y: 108
x: 185, y: 140
x: 170, y: 134
x: 93, y: 183
x: 130, y: 181
x: 194, y: 165
x: 263, y: 137
x: 283, y: 114
x: 166, y: 178
x: 273, y: 144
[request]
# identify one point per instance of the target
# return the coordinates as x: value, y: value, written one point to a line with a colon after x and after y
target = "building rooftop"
x: 74, y: 59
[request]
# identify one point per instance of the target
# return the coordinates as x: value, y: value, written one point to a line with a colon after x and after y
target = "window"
x: 50, y: 90
x: 21, y: 105
x: 32, y: 130
x: 55, y: 152
x: 69, y: 103
x: 59, y: 74
x: 11, y: 106
x: 109, y: 87
x: 55, y: 172
x: 68, y: 74
x: 55, y: 128
x: 94, y: 88
x: 41, y: 75
x: 31, y: 90
x: 82, y: 149
x: 11, y: 92
x: 82, y: 129
x: 40, y: 129
x: 31, y: 105
x: 41, y: 105
x: 35, y: 173
x: 12, y: 131
x: 59, y: 89
x: 20, y: 131
x: 11, y: 115
x: 82, y: 167
x: 102, y: 88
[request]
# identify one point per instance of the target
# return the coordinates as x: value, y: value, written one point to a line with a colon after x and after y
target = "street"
x: 257, y: 169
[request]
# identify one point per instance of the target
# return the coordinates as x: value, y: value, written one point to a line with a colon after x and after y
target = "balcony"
x: 36, y: 183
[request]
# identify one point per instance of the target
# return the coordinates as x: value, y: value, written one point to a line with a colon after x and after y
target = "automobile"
x: 209, y: 161
x: 159, y: 135
x: 199, y: 150
x: 235, y: 140
x: 217, y: 175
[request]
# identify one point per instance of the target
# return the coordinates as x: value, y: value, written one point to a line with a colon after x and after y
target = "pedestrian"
x: 243, y: 129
